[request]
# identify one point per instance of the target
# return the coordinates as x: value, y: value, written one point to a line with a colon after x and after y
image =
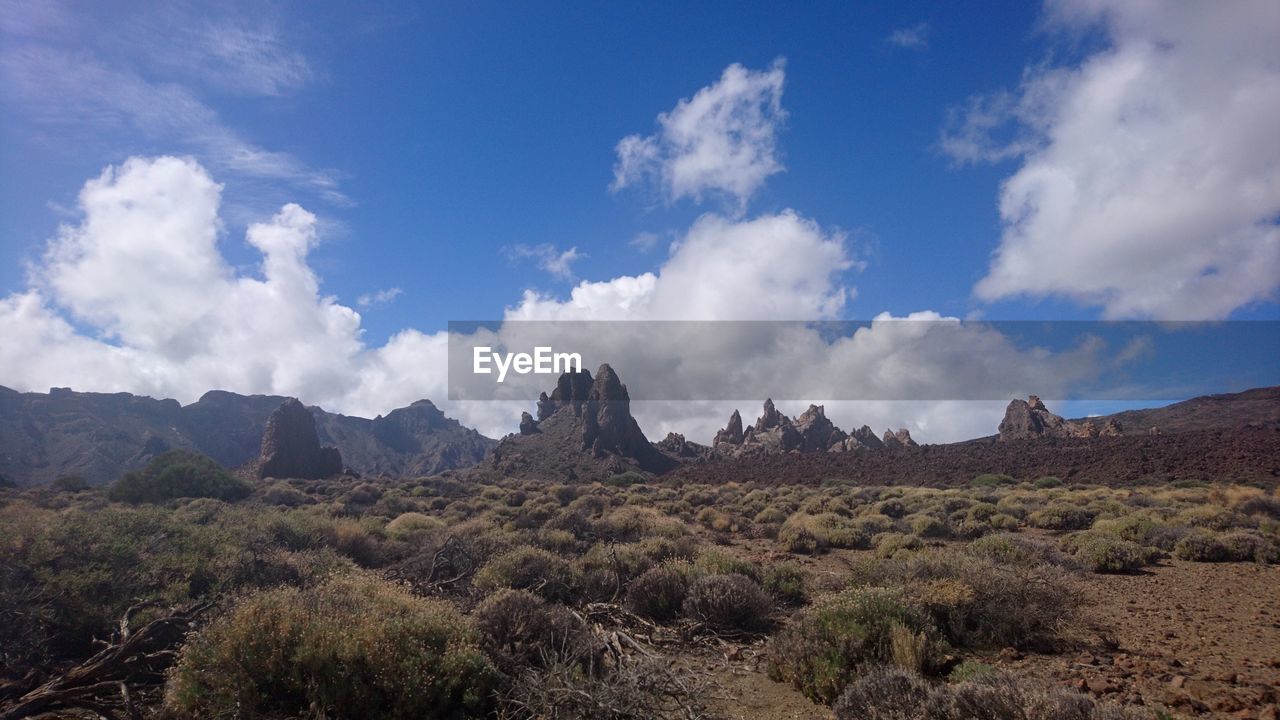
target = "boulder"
x: 528, y: 425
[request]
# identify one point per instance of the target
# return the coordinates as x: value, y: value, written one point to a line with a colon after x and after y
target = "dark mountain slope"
x: 101, y: 435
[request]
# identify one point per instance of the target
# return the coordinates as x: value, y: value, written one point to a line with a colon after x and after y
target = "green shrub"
x: 787, y: 582
x: 718, y: 562
x: 1246, y: 546
x: 282, y: 493
x: 1062, y: 517
x: 658, y: 594
x: 1103, y: 552
x: 70, y: 483
x: 928, y: 526
x: 889, y: 543
x: 529, y: 568
x: 728, y: 602
x: 992, y: 480
x: 978, y: 601
x: 806, y: 534
x: 354, y: 646
x: 820, y: 651
x: 1201, y: 546
x: 1047, y: 482
x: 178, y: 474
x: 626, y: 479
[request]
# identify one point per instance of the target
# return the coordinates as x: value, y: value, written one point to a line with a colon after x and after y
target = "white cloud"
x: 1150, y: 175
x: 722, y: 140
x: 779, y: 266
x: 559, y: 263
x: 915, y: 37
x: 159, y: 311
x: 381, y: 297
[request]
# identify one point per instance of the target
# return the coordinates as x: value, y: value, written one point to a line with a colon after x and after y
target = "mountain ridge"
x: 99, y: 436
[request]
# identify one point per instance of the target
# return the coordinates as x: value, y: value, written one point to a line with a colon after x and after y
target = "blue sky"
x: 452, y: 155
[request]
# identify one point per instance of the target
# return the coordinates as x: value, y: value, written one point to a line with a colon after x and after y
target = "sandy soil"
x: 1195, y: 640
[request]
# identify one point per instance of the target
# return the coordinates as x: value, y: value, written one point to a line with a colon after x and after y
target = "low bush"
x: 728, y: 602
x: 1103, y: 552
x: 992, y: 480
x: 820, y: 650
x: 518, y: 629
x: 889, y: 543
x: 1062, y: 517
x: 787, y: 582
x: 975, y: 600
x: 178, y: 474
x: 1201, y: 546
x: 807, y: 534
x: 893, y: 694
x: 529, y: 568
x: 1047, y: 482
x: 70, y: 484
x: 658, y: 594
x: 353, y: 646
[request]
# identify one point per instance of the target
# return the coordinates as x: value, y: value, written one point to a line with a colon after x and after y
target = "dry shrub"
x: 412, y: 524
x: 354, y: 646
x: 518, y: 629
x: 574, y: 688
x: 1103, y: 552
x: 1009, y: 601
x: 1062, y: 516
x: 820, y: 650
x: 530, y: 568
x: 728, y: 602
x: 787, y: 582
x: 885, y: 693
x: 659, y: 593
x: 808, y: 534
x: 1238, y: 546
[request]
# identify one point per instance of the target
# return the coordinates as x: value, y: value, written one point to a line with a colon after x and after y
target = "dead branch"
x: 135, y: 659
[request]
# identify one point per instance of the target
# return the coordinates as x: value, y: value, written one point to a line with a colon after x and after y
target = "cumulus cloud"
x: 1149, y: 182
x: 915, y: 37
x: 722, y: 140
x: 557, y: 262
x: 779, y: 266
x: 136, y: 295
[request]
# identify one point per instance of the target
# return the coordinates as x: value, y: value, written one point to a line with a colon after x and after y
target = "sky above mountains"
x: 297, y: 198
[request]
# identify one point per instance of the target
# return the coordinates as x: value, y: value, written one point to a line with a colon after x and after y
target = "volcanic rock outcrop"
x: 811, y: 431
x: 1030, y: 419
x: 291, y: 448
x: 584, y: 428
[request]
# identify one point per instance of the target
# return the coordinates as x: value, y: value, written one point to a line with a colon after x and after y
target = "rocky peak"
x: 866, y: 437
x: 901, y: 438
x: 585, y: 421
x: 1027, y: 419
x: 816, y: 431
x: 291, y: 448
x: 732, y: 432
x: 771, y: 418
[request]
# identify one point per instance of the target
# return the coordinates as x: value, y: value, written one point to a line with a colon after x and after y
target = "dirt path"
x: 1200, y: 639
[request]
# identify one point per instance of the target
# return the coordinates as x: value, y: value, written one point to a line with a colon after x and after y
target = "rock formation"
x: 731, y: 433
x: 901, y: 438
x: 291, y: 448
x: 584, y: 427
x: 811, y: 431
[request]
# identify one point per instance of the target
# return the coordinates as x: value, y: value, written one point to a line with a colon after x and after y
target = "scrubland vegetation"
x: 438, y: 597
